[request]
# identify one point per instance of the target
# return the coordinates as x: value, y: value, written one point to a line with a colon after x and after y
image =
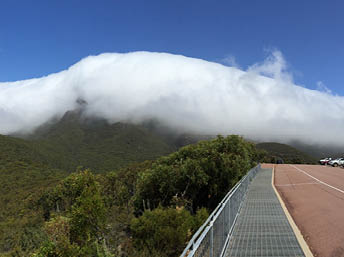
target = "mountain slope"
x: 23, y: 176
x: 288, y: 154
x: 32, y: 164
x: 93, y: 143
x: 319, y: 151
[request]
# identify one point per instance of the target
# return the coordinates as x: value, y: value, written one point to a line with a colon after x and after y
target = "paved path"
x: 262, y: 228
x: 314, y: 196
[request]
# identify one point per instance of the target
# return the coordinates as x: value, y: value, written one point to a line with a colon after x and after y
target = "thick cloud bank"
x: 188, y: 94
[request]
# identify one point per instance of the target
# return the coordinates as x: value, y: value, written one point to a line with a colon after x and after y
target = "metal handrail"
x: 204, y: 237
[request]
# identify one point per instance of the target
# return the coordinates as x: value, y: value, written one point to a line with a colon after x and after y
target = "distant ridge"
x: 286, y: 153
x: 319, y: 151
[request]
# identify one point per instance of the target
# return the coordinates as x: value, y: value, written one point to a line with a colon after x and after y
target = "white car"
x: 325, y: 161
x: 336, y: 162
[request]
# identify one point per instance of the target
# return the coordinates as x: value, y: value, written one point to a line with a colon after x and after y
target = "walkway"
x: 262, y: 228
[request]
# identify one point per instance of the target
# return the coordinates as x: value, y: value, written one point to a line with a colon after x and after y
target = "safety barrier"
x: 212, y: 237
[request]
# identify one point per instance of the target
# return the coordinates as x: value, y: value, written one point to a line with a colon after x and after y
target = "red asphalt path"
x: 314, y: 196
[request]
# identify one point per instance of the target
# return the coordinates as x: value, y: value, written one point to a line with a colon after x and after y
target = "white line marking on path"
x: 321, y: 182
x: 299, y: 184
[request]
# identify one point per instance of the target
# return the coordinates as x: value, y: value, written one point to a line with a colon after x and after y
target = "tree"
x: 198, y: 175
x: 80, y: 232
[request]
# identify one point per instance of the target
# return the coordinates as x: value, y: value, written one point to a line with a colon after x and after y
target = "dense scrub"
x: 195, y: 176
x: 147, y: 209
x: 23, y: 178
x: 77, y: 227
x: 49, y: 212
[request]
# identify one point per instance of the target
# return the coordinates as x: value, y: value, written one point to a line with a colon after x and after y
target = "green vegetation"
x: 81, y: 231
x: 163, y: 232
x: 196, y: 175
x: 46, y: 211
x: 95, y: 144
x: 286, y: 153
x: 147, y: 209
x: 23, y: 179
x: 31, y: 165
x: 318, y: 151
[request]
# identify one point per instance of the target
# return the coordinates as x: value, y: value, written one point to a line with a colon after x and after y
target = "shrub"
x: 80, y: 233
x: 199, y: 175
x: 165, y: 231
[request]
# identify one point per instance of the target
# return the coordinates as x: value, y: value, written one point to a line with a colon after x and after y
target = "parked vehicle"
x: 325, y: 161
x: 336, y: 162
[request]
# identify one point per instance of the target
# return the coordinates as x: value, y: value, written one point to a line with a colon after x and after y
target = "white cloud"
x: 185, y: 93
x: 323, y: 88
x: 230, y: 60
x: 274, y: 66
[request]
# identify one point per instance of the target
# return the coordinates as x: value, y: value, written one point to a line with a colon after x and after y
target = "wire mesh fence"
x: 212, y: 237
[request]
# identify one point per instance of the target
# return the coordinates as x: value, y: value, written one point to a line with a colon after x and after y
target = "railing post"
x: 223, y: 225
x: 211, y: 241
x: 229, y: 215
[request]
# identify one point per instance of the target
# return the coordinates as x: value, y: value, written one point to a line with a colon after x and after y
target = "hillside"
x: 94, y: 143
x: 29, y: 196
x: 33, y: 163
x: 148, y: 209
x: 23, y: 177
x: 319, y: 151
x: 289, y: 154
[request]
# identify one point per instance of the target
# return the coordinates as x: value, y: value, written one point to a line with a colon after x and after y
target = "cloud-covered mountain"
x: 186, y: 94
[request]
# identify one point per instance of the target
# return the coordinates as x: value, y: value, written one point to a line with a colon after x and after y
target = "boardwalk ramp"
x: 249, y: 221
x: 262, y: 228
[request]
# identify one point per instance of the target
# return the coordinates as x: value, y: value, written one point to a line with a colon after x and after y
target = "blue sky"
x: 42, y: 37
